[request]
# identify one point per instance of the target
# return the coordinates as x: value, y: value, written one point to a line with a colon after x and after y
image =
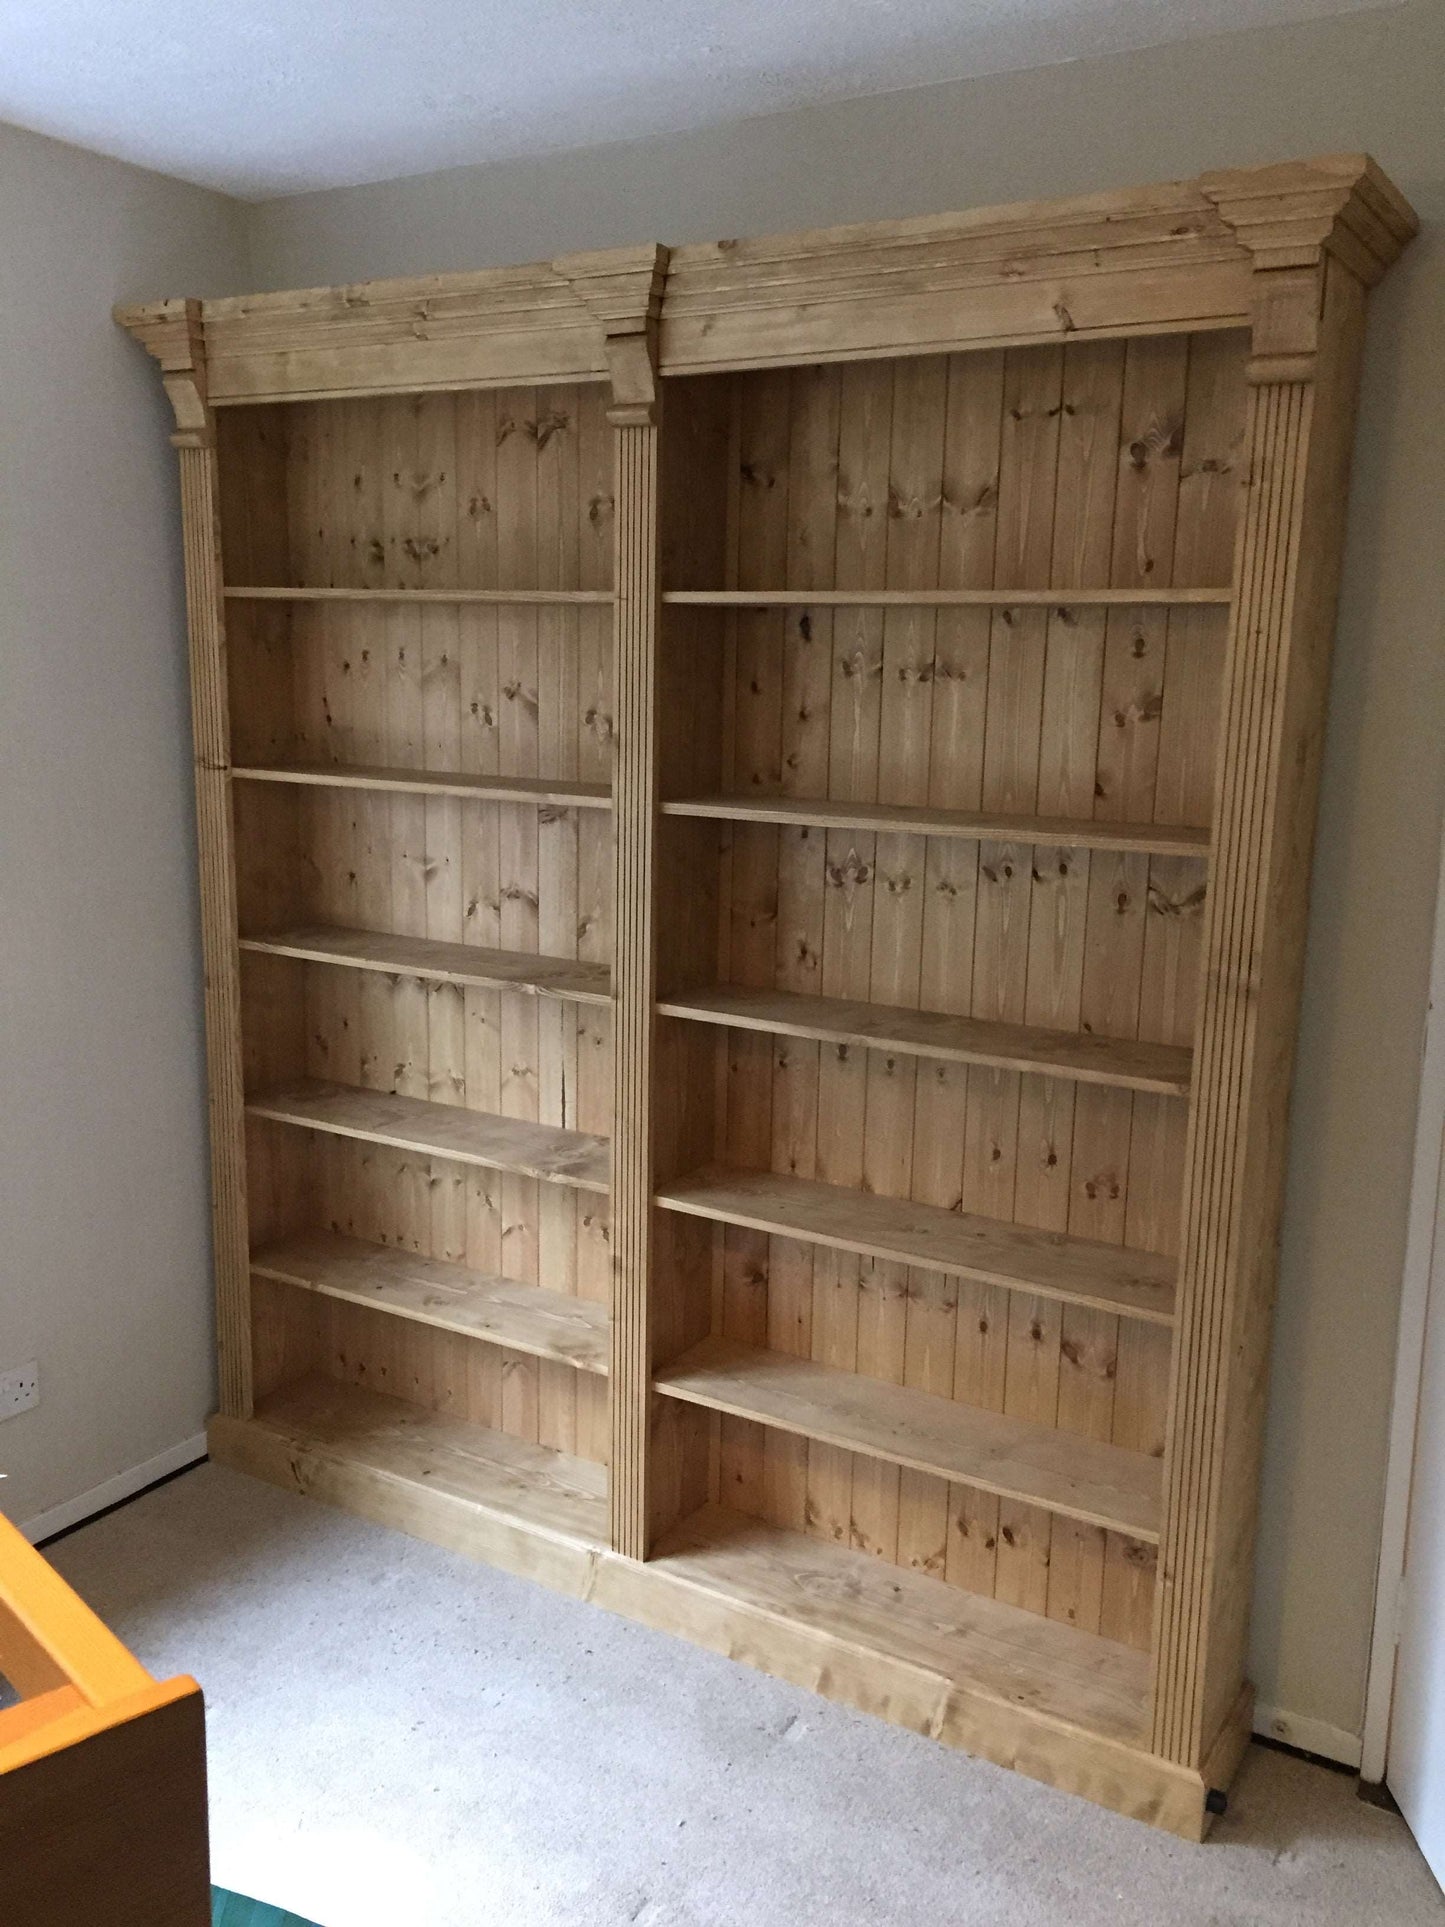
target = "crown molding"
x: 1243, y: 248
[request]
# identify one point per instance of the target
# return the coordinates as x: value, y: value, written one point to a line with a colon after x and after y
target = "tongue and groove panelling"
x: 502, y: 489
x: 1095, y: 465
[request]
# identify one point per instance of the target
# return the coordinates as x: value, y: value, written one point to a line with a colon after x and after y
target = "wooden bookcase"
x: 755, y: 809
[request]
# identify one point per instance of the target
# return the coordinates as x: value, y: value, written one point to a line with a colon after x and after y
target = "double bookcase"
x: 755, y: 808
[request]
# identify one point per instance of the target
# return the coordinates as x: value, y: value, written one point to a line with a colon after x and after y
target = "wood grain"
x: 547, y: 598
x: 1100, y: 1484
x: 524, y: 1318
x: 393, y: 1439
x: 964, y: 1244
x: 446, y: 1130
x: 1063, y: 599
x: 976, y: 825
x: 1080, y: 1055
x: 560, y: 794
x: 866, y: 1607
x: 439, y: 962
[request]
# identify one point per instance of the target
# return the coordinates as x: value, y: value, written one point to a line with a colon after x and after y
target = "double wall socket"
x: 19, y: 1389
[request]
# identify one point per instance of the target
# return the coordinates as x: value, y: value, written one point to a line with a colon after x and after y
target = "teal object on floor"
x: 232, y: 1910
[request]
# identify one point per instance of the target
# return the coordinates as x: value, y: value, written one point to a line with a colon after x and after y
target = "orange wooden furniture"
x: 102, y: 1768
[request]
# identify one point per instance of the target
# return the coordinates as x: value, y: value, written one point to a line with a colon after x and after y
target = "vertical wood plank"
x: 1028, y: 467
x: 968, y: 541
x: 1062, y: 1134
x: 806, y: 670
x: 899, y: 1512
x: 855, y: 711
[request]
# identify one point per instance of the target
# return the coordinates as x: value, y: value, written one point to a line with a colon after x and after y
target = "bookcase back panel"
x: 1108, y: 465
x: 509, y: 488
x: 995, y: 1350
x: 504, y: 490
x: 502, y: 876
x: 1105, y: 465
x: 486, y: 691
x: 302, y: 1335
x: 1000, y: 1549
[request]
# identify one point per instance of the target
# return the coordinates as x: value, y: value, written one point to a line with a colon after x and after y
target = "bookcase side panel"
x: 1301, y: 418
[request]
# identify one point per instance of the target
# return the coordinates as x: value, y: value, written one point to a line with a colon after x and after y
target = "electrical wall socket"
x: 19, y: 1389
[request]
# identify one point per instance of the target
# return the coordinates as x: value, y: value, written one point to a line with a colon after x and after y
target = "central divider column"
x: 634, y: 978
x: 626, y: 296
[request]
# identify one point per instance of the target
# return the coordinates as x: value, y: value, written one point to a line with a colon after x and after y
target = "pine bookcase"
x: 755, y: 807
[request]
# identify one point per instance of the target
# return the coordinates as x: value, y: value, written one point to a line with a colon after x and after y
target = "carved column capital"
x: 622, y: 287
x: 1294, y: 219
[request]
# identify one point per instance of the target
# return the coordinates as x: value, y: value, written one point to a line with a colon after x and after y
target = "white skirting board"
x: 1309, y: 1735
x: 124, y: 1485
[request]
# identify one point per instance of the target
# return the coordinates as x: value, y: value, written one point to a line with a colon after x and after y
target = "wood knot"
x: 546, y: 426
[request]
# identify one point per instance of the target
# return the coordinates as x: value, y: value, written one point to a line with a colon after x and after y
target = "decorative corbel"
x: 1294, y: 219
x: 172, y: 332
x: 622, y: 288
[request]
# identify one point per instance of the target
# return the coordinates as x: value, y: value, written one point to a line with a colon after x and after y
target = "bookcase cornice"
x: 1182, y: 255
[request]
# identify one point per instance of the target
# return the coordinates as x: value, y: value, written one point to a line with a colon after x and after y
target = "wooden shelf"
x: 1159, y: 839
x: 1103, y: 1485
x: 429, y: 1291
x: 1080, y: 1271
x: 1078, y: 1055
x: 953, y: 598
x: 441, y: 1130
x: 867, y: 1610
x: 448, y: 963
x: 499, y: 597
x: 412, y: 1450
x: 562, y: 794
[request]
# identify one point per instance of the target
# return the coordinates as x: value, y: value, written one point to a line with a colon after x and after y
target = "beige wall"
x: 104, y: 1257
x: 1368, y: 81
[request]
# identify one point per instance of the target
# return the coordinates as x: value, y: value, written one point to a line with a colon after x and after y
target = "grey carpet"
x: 399, y: 1738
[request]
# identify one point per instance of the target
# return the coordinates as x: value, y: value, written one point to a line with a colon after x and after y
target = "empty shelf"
x: 562, y: 794
x: 928, y: 1033
x: 950, y: 598
x: 430, y: 1291
x: 867, y: 1610
x: 453, y: 963
x: 440, y: 1130
x: 1104, y: 1485
x: 497, y: 596
x: 1160, y: 839
x: 408, y: 1448
x: 1080, y: 1271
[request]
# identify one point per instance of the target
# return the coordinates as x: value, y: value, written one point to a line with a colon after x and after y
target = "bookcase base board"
x: 691, y: 1592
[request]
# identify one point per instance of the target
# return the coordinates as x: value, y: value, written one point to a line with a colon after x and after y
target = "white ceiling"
x: 271, y: 97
